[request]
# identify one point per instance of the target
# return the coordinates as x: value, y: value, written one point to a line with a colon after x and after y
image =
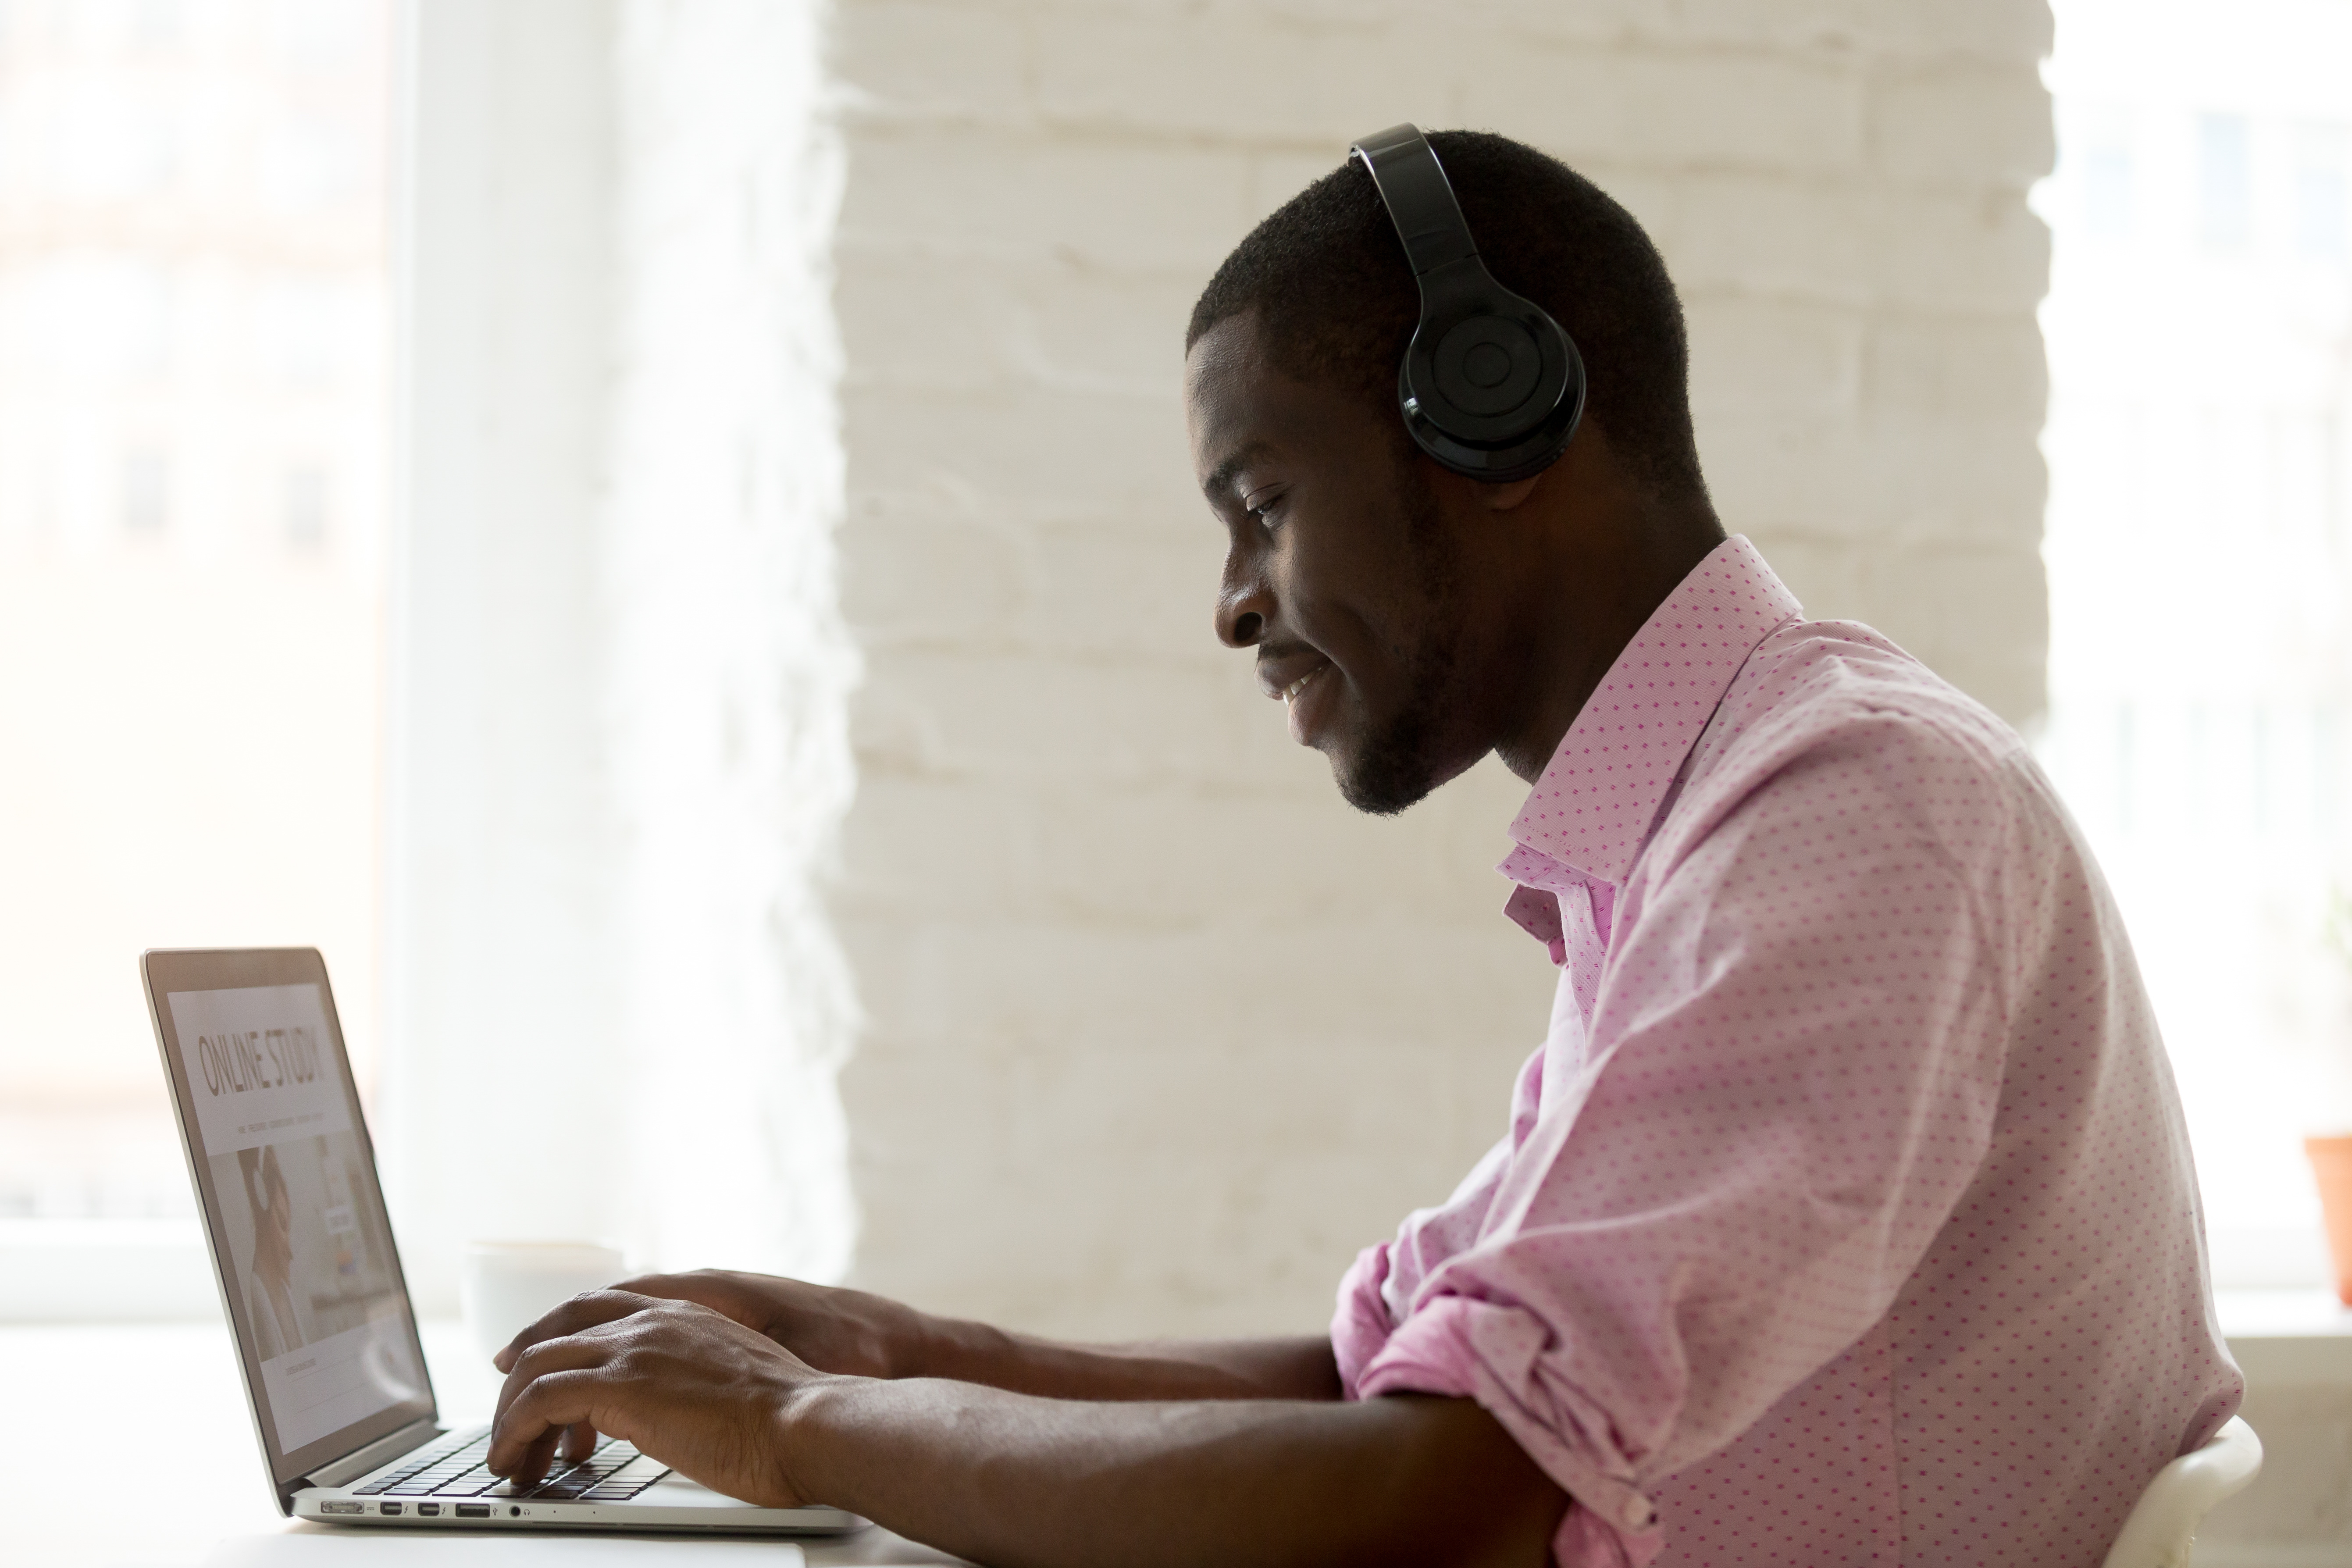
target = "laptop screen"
x: 289, y: 1185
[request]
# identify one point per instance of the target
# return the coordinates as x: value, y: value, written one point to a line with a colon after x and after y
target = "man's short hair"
x: 1328, y: 279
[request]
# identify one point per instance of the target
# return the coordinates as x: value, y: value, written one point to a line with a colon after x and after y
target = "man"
x: 1846, y: 1214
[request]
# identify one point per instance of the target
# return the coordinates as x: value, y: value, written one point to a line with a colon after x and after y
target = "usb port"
x: 343, y: 1507
x: 387, y: 1508
x: 473, y: 1511
x: 428, y: 1510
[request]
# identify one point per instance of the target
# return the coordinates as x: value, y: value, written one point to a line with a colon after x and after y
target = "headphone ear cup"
x: 1487, y: 366
x: 1496, y: 448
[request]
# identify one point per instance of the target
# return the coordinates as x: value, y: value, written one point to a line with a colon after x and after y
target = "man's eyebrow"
x: 1222, y: 479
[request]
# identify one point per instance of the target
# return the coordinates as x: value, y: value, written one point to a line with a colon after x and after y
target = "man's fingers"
x: 584, y: 1311
x: 528, y: 1427
x: 537, y: 1458
x: 579, y: 1442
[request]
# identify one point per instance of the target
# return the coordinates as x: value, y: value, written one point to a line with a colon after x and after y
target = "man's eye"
x: 1268, y: 514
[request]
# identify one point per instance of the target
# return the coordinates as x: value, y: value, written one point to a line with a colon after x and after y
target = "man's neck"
x: 1643, y: 559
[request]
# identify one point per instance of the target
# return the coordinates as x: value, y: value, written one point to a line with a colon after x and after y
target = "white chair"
x: 2163, y: 1525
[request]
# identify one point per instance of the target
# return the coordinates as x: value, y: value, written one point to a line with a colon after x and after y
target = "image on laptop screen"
x: 311, y: 1272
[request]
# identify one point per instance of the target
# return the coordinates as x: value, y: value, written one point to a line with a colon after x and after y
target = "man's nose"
x: 1245, y: 603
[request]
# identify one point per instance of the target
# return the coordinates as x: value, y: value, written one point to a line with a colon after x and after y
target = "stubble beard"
x: 1401, y: 764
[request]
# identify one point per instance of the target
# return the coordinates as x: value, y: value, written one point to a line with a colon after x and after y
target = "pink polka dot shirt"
x: 1846, y: 1215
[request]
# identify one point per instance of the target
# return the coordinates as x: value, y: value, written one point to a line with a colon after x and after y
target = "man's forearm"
x: 1301, y: 1368
x: 1020, y: 1482
x: 864, y: 1335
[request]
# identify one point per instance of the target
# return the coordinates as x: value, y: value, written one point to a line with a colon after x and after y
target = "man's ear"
x: 1503, y: 498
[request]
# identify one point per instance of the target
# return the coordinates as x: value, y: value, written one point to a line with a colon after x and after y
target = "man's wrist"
x: 798, y: 1421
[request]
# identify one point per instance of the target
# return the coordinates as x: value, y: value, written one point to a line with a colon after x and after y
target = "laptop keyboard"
x: 614, y: 1473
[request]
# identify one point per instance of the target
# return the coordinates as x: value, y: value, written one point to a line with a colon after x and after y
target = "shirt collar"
x: 1592, y: 809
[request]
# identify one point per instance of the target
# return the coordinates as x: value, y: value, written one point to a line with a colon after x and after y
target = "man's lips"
x: 1298, y: 679
x: 1283, y: 675
x: 1309, y: 700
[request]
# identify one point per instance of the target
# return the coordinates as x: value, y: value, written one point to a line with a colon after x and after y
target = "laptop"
x: 310, y: 1281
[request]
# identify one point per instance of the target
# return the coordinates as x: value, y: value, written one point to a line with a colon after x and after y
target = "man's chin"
x: 1383, y: 786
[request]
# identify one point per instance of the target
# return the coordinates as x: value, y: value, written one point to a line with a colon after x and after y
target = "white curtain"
x: 618, y: 731
x: 730, y: 666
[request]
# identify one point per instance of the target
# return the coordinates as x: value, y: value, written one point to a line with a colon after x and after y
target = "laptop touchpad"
x: 675, y: 1491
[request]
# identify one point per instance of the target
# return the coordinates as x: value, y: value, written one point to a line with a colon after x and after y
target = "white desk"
x: 86, y: 1406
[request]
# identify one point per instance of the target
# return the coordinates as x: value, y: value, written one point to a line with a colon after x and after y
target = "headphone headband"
x: 1420, y: 198
x: 1490, y: 386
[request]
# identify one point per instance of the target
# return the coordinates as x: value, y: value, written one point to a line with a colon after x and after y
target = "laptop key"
x: 622, y: 1492
x: 628, y: 1480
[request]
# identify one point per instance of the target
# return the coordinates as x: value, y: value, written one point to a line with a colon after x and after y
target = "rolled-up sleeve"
x: 1362, y: 1324
x: 1793, y: 1064
x: 1380, y: 1284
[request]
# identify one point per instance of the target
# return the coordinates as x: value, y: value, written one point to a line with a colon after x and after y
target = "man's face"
x: 1341, y: 570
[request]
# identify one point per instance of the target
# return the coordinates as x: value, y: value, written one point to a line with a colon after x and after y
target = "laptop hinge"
x: 352, y: 1466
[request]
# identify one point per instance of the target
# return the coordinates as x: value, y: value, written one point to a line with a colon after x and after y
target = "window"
x: 192, y: 400
x: 2319, y: 195
x: 2199, y: 549
x: 2225, y: 197
x: 2107, y: 166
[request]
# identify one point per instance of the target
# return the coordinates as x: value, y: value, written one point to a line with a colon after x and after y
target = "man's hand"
x: 831, y: 1330
x: 692, y: 1386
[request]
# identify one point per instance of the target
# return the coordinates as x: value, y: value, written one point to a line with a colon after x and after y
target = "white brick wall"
x: 1161, y: 1032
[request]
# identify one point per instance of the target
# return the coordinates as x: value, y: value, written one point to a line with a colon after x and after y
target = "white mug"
x: 504, y: 1287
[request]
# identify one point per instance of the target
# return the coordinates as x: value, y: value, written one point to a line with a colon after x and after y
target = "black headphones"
x: 1490, y: 386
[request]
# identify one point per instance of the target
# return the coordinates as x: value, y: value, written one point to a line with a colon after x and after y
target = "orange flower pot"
x: 2331, y: 1162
